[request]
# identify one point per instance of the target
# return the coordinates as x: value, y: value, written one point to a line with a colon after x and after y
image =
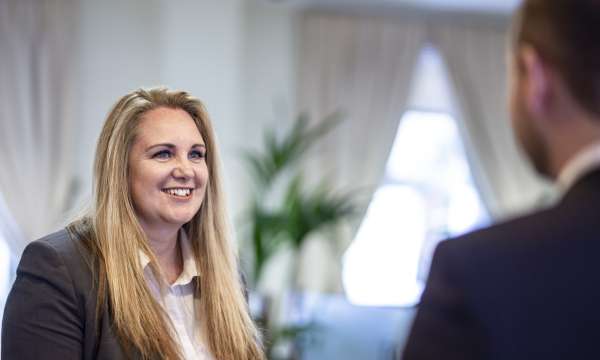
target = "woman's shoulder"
x: 53, y: 286
x: 60, y: 242
x: 66, y: 243
x: 63, y: 249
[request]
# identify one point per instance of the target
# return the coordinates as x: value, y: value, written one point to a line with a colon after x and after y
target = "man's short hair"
x: 566, y: 34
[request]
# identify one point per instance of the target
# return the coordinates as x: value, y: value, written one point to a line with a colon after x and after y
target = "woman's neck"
x: 167, y: 250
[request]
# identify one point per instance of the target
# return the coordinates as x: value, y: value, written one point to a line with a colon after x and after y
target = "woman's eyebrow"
x: 172, y: 146
x: 168, y: 145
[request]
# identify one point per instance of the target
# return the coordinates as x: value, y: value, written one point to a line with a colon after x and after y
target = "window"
x: 5, y: 271
x: 6, y: 256
x: 427, y: 195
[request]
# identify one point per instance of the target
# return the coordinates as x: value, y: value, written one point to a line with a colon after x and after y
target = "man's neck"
x: 570, y: 145
x: 584, y: 161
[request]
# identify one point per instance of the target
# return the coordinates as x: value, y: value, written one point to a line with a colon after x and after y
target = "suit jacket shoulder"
x: 522, y: 289
x: 51, y: 309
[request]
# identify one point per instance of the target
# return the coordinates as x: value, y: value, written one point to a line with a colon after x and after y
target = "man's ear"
x: 536, y: 81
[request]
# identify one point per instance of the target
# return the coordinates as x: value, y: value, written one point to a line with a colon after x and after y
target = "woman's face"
x: 167, y: 169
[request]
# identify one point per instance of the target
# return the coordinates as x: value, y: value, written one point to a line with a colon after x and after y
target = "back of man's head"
x: 566, y: 34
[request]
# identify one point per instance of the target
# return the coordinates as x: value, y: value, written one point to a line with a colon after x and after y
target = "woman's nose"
x: 183, y: 169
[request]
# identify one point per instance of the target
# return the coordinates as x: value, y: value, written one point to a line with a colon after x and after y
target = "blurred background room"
x: 355, y: 135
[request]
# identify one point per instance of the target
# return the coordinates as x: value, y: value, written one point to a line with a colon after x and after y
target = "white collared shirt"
x: 179, y: 302
x: 581, y: 164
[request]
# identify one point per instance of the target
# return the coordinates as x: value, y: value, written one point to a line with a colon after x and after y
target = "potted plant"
x: 288, y: 217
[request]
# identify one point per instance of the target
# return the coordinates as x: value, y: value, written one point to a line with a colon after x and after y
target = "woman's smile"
x: 179, y: 192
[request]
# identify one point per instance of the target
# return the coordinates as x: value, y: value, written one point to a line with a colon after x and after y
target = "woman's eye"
x: 197, y: 154
x: 163, y: 154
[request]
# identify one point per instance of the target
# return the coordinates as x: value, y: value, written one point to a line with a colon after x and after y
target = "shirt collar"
x: 190, y: 268
x: 581, y: 164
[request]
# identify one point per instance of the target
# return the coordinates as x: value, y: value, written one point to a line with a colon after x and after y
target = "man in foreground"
x: 530, y: 288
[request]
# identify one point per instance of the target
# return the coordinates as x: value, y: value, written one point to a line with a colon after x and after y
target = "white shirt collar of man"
x: 190, y: 268
x: 581, y: 164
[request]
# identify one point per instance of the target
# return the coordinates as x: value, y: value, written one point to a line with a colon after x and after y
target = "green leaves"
x: 310, y: 211
x: 267, y: 237
x: 299, y: 211
x: 284, y: 154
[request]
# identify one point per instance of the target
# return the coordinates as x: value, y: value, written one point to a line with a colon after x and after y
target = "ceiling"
x: 489, y: 6
x: 478, y: 6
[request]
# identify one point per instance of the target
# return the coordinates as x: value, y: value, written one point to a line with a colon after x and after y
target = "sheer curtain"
x: 362, y: 67
x: 476, y: 56
x: 38, y: 69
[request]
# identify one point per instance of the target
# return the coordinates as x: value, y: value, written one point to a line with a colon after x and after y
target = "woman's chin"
x: 179, y: 219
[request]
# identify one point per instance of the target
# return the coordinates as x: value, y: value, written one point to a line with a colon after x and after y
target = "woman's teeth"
x: 181, y: 192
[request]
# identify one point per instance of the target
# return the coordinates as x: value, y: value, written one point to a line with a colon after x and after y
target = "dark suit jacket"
x: 50, y: 312
x: 525, y: 289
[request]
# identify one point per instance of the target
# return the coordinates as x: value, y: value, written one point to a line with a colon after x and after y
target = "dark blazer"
x: 525, y: 289
x: 50, y: 311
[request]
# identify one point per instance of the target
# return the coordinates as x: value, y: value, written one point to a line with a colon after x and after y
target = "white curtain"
x: 476, y: 56
x: 38, y: 70
x: 362, y: 67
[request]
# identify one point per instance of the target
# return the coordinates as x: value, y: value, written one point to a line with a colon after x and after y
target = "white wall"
x: 270, y: 64
x: 120, y: 51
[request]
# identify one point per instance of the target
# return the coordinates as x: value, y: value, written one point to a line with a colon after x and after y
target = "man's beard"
x: 531, y: 141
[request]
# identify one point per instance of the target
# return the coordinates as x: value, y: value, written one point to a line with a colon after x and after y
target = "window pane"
x: 427, y: 195
x: 4, y: 268
x: 428, y: 150
x: 5, y: 274
x: 382, y: 262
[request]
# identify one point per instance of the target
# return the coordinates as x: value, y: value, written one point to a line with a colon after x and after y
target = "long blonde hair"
x: 114, y: 237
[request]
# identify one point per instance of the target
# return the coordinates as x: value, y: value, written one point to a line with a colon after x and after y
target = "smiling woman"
x: 124, y: 280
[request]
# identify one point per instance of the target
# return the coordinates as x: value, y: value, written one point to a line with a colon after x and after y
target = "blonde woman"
x: 149, y: 272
